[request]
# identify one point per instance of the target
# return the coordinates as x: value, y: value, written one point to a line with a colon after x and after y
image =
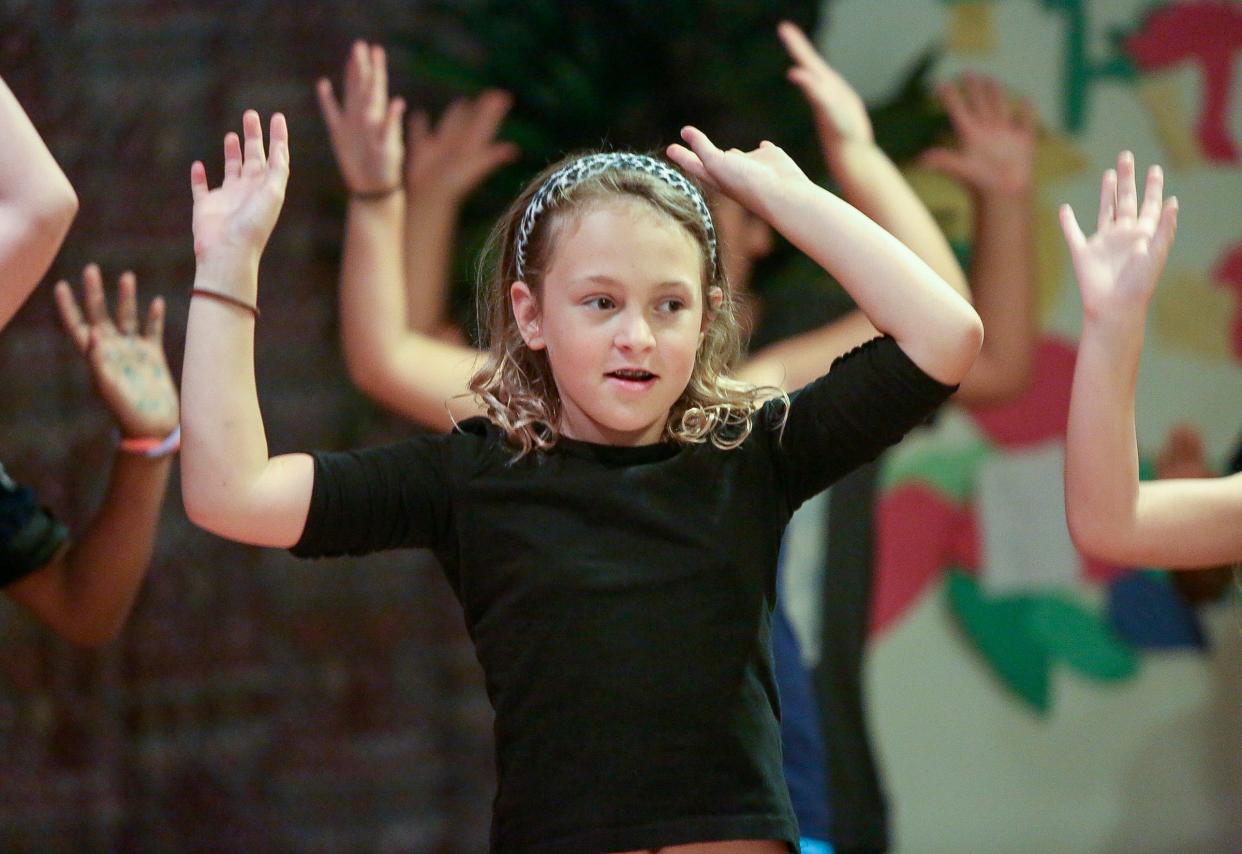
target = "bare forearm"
x: 1101, y: 463
x: 1003, y: 282
x: 871, y: 182
x: 373, y: 301
x: 105, y: 566
x: 430, y: 232
x: 899, y: 293
x: 224, y: 446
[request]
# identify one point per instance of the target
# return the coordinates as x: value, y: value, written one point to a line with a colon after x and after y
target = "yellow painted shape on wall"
x: 1162, y: 97
x: 970, y: 28
x: 1191, y: 314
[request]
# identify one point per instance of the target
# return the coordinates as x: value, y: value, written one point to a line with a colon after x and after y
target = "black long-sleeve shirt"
x: 619, y: 599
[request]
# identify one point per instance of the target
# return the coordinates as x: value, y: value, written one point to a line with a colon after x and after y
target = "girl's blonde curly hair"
x: 516, y: 384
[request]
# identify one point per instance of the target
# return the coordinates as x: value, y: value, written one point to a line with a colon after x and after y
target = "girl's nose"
x: 635, y: 332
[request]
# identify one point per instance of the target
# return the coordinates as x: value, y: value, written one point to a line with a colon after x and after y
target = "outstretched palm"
x: 1118, y: 266
x: 127, y: 365
x: 365, y: 128
x: 461, y: 150
x: 234, y: 221
x: 996, y: 138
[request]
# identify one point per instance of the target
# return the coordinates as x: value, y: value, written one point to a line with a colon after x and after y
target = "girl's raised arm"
x: 1172, y: 523
x: 229, y: 484
x: 898, y: 292
x: 37, y: 204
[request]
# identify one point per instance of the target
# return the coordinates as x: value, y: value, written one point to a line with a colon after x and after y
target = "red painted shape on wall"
x: 906, y: 562
x: 1039, y: 415
x: 1208, y: 34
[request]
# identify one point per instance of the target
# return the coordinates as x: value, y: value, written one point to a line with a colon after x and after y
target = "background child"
x: 609, y: 591
x: 82, y: 589
x: 1172, y: 523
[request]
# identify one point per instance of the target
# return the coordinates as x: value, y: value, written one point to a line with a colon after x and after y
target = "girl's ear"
x: 526, y: 313
x: 715, y: 299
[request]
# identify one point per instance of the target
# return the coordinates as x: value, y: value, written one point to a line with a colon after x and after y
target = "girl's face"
x: 621, y: 316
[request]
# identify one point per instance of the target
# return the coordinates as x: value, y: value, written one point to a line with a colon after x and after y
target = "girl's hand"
x: 366, y: 129
x: 751, y: 178
x: 451, y: 159
x: 233, y: 222
x: 996, y: 139
x: 127, y: 366
x: 840, y: 115
x: 1118, y: 266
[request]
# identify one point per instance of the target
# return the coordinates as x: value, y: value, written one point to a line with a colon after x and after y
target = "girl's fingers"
x: 232, y: 157
x: 198, y: 180
x: 1024, y: 115
x: 278, y: 133
x: 127, y: 304
x: 797, y: 45
x: 955, y: 105
x: 1127, y: 195
x: 328, y: 105
x: 1108, y: 199
x: 454, y: 119
x: 1074, y: 237
x: 1166, y: 229
x: 355, y: 76
x: 93, y: 299
x: 976, y: 96
x: 154, y: 328
x: 379, y: 81
x: 1153, y: 193
x: 252, y: 126
x: 395, y: 116
x: 416, y: 130
x: 700, y: 143
x: 493, y: 107
x: 71, y: 316
x: 689, y: 162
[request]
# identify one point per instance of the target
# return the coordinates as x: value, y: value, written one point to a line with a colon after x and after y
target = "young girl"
x: 611, y: 529
x: 1171, y: 523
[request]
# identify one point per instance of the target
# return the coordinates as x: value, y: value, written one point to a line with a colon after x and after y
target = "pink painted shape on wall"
x: 1228, y: 274
x: 1041, y: 414
x: 1207, y: 33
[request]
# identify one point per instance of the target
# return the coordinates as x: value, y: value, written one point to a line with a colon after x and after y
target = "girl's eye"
x: 601, y: 303
x: 672, y: 305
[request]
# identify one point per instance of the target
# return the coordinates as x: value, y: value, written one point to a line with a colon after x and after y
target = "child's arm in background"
x: 1173, y: 523
x: 389, y: 350
x: 85, y: 592
x: 996, y: 155
x: 37, y: 205
x: 444, y: 164
x: 995, y: 162
x: 899, y: 293
x: 229, y: 484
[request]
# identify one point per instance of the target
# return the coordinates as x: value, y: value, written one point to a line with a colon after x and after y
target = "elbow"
x: 203, y: 509
x: 965, y: 344
x: 1096, y: 538
x: 55, y: 210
